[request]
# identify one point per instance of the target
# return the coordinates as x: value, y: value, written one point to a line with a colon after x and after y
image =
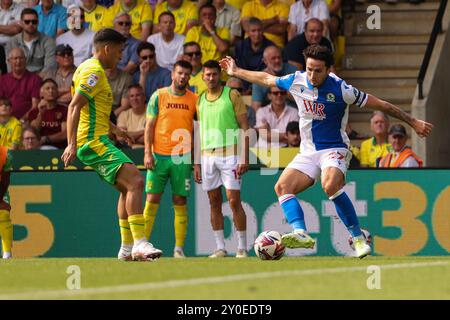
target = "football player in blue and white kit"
x: 322, y: 99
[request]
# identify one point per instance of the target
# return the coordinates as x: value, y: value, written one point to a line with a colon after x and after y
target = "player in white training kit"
x: 322, y: 99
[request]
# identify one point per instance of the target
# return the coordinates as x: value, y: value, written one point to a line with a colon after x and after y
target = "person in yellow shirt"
x: 93, y: 14
x: 88, y: 128
x: 193, y: 54
x: 185, y: 12
x: 10, y: 127
x: 140, y: 13
x: 373, y: 149
x: 213, y: 41
x: 274, y: 16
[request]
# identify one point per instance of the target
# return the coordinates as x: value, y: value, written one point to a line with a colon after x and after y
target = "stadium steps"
x: 386, y: 62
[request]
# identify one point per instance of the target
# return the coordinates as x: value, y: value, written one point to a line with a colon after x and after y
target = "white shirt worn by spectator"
x: 167, y: 52
x: 81, y: 44
x: 229, y: 18
x: 279, y: 124
x: 298, y: 15
x: 7, y: 17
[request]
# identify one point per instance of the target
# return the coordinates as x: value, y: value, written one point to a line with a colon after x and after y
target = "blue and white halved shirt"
x: 323, y: 111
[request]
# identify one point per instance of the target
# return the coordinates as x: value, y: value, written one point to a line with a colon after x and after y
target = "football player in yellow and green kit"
x: 168, y: 142
x: 6, y: 227
x: 88, y: 126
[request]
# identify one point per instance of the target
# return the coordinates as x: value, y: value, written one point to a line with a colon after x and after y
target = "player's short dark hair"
x: 47, y: 81
x: 292, y: 127
x: 212, y: 64
x: 107, y: 35
x: 318, y: 52
x: 144, y: 45
x: 208, y: 5
x: 28, y: 11
x: 183, y: 64
x: 166, y: 13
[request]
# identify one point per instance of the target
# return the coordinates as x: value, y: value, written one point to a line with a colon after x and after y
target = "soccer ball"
x: 366, y: 235
x: 268, y: 246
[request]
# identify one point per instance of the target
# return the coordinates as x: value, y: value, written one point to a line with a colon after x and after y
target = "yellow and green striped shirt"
x: 90, y: 81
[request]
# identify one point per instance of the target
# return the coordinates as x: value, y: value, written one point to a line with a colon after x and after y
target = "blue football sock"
x: 293, y: 211
x: 346, y: 211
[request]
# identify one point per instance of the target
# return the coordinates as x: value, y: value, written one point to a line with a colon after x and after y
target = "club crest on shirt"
x: 58, y: 115
x: 92, y: 80
x: 331, y: 97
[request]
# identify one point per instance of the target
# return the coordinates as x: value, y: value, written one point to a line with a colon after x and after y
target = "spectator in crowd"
x: 132, y: 120
x: 78, y: 36
x: 334, y: 8
x: 63, y: 74
x: 214, y: 42
x: 272, y: 120
x: 193, y: 54
x: 230, y: 18
x: 49, y: 117
x: 39, y: 49
x: 302, y: 11
x: 52, y: 18
x: 9, y: 20
x: 274, y: 16
x: 106, y: 3
x: 130, y: 59
x: 94, y: 14
x: 293, y: 53
x: 31, y: 139
x: 185, y: 12
x: 293, y: 134
x: 10, y: 127
x: 402, y: 155
x: 140, y: 10
x: 237, y: 84
x: 150, y: 75
x: 168, y: 44
x: 275, y: 66
x: 249, y: 51
x: 373, y: 149
x: 20, y: 86
x: 119, y: 81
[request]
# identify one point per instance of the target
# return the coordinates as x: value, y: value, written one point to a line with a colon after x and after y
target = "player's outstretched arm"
x: 421, y: 127
x: 73, y: 118
x: 262, y: 78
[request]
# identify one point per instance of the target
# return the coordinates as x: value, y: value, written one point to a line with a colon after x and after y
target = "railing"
x: 437, y: 28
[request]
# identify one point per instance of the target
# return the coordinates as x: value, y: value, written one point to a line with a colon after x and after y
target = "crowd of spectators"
x: 43, y: 42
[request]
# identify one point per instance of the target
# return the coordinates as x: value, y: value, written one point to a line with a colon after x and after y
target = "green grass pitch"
x: 290, y: 278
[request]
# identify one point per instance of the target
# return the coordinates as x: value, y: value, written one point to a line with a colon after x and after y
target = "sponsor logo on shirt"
x: 314, y: 109
x: 85, y: 88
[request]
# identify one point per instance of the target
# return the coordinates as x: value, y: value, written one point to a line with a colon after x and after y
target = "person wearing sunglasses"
x: 52, y: 18
x: 142, y: 14
x: 63, y: 74
x: 78, y: 37
x: 193, y: 54
x: 94, y: 14
x: 9, y: 20
x: 39, y: 49
x: 130, y: 58
x: 150, y: 75
x: 168, y: 44
x: 272, y: 120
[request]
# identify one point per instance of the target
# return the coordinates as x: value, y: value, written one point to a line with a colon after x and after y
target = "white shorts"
x: 220, y: 170
x: 312, y: 164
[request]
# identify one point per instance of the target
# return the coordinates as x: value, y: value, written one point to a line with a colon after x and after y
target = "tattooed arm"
x: 421, y: 127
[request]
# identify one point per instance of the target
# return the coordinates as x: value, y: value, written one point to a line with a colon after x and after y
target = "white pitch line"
x: 56, y: 294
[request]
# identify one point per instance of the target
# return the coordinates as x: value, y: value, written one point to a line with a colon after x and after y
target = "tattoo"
x: 398, y: 113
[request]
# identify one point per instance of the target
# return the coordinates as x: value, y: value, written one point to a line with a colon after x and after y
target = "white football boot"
x: 145, y: 251
x: 361, y: 247
x: 125, y: 253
